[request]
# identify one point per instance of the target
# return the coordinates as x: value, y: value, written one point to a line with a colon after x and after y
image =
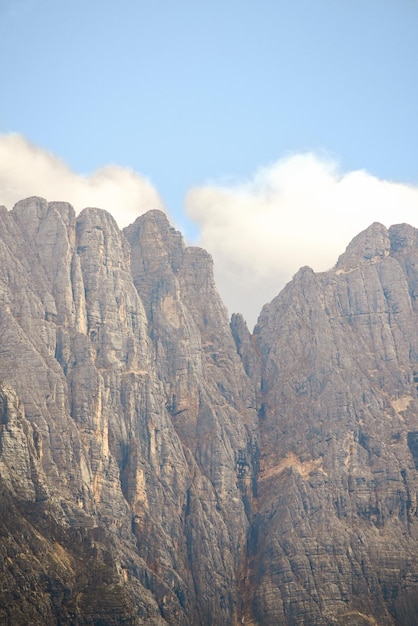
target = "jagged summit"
x: 161, y: 465
x: 369, y: 246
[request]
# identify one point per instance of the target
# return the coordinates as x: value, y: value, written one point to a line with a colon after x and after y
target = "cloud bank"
x: 299, y: 211
x: 26, y: 170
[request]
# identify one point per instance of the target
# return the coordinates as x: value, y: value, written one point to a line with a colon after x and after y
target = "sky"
x: 270, y: 132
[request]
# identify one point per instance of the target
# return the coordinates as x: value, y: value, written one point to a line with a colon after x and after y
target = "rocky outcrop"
x: 135, y: 410
x: 161, y: 465
x: 211, y: 404
x: 337, y: 526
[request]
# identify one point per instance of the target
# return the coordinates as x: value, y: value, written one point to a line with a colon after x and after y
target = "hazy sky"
x: 271, y: 131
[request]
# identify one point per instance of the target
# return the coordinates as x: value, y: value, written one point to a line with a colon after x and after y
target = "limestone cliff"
x: 160, y: 465
x: 128, y: 418
x: 336, y: 534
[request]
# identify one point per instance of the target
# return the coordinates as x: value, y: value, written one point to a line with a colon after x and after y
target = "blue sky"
x: 191, y: 94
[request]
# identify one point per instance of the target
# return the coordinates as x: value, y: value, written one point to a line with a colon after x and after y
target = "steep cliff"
x: 337, y: 527
x: 160, y: 465
x: 134, y: 422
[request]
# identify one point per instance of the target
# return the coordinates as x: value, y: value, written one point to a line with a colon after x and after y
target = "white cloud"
x: 26, y: 170
x: 299, y: 211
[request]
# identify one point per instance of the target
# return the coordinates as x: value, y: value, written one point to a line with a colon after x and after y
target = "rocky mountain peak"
x: 161, y: 465
x: 370, y: 246
x: 403, y: 237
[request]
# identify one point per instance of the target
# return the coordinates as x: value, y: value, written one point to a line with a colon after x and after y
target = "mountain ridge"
x: 160, y: 464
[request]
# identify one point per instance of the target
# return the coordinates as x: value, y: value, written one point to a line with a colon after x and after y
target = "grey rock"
x: 160, y: 465
x: 337, y: 523
x: 110, y: 391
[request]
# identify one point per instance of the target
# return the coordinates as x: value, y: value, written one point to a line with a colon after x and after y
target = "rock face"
x: 337, y: 526
x: 127, y: 419
x: 160, y: 465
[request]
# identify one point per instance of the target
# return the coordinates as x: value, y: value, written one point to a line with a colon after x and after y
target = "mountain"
x: 161, y: 465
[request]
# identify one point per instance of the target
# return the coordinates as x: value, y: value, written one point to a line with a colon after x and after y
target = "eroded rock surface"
x: 127, y: 414
x: 161, y: 465
x: 337, y: 527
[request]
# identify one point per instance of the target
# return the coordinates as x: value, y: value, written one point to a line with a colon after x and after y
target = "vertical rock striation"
x: 211, y: 403
x: 161, y: 465
x: 338, y: 485
x: 135, y: 410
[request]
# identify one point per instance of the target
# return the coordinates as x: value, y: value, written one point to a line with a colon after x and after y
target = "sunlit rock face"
x: 160, y: 465
x: 128, y: 419
x: 337, y: 526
